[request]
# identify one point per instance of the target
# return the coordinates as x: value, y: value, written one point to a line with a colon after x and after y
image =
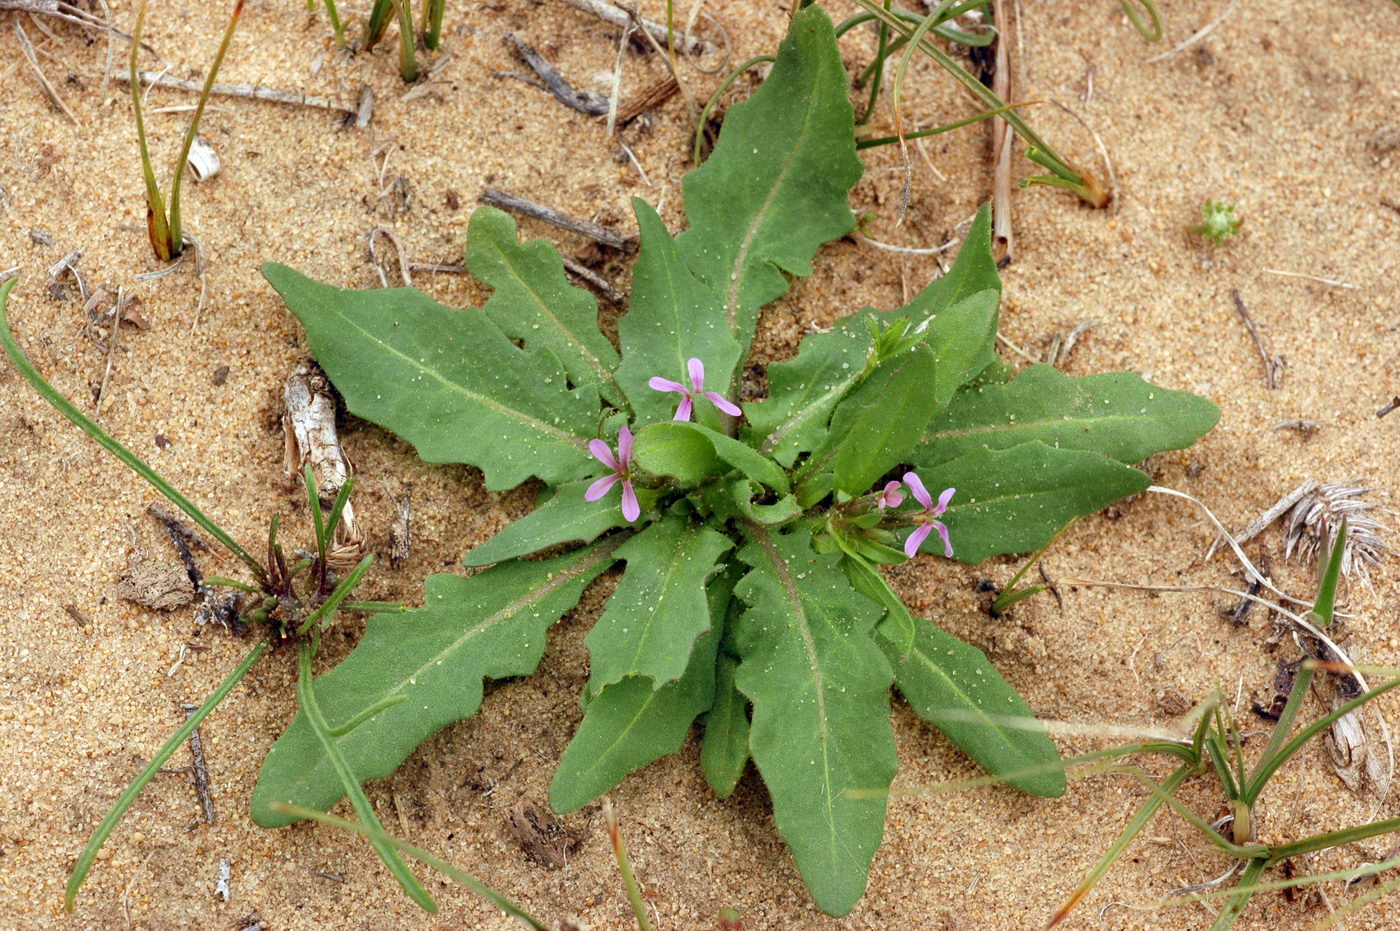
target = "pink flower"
x: 621, y: 464
x: 927, y: 522
x: 696, y: 390
x: 891, y: 497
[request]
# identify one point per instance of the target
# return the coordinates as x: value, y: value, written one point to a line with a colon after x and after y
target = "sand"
x: 1276, y: 111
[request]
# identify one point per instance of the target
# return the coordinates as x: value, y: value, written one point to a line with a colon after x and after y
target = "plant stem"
x: 157, y: 224
x: 306, y: 698
x: 946, y: 127
x: 624, y: 866
x: 130, y: 459
x: 1125, y: 837
x: 408, y: 61
x: 418, y: 853
x: 336, y: 25
x: 109, y: 823
x: 177, y: 241
x: 342, y: 590
x: 432, y: 23
x: 719, y: 92
x: 1228, y: 915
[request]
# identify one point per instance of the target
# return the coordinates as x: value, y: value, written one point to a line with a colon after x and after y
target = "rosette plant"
x: 752, y: 528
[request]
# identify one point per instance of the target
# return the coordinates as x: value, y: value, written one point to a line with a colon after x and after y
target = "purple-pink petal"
x: 657, y: 383
x: 630, y: 508
x: 601, y: 487
x: 624, y: 448
x: 603, y: 453
x: 943, y: 533
x: 911, y: 545
x: 685, y: 408
x: 920, y: 492
x: 943, y: 500
x: 697, y: 374
x: 891, y: 497
x: 720, y: 401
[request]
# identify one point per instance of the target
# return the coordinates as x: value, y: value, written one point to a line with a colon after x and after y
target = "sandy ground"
x: 1277, y: 111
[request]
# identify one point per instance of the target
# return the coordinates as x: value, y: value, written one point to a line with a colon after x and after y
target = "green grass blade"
x: 462, y: 877
x: 176, y: 235
x: 157, y: 223
x: 306, y: 699
x: 130, y: 459
x: 109, y: 823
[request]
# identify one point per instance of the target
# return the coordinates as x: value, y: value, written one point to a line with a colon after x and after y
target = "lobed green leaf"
x: 564, y: 518
x: 776, y: 186
x: 821, y: 715
x: 490, y: 625
x: 1014, y: 500
x: 449, y: 382
x: 535, y: 303
x: 951, y: 685
x: 672, y: 318
x: 632, y: 723
x: 806, y: 390
x: 725, y: 750
x: 659, y: 611
x: 1116, y: 414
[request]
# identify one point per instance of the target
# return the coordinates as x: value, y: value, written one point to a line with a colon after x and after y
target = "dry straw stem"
x: 27, y: 48
x: 1196, y: 36
x: 1002, y: 139
x: 618, y: 16
x: 245, y: 91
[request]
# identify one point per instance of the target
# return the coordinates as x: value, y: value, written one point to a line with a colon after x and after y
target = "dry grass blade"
x: 618, y: 16
x: 1196, y: 36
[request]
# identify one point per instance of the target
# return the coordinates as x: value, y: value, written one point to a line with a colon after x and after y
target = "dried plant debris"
x: 308, y: 426
x: 1314, y: 520
x: 1359, y: 742
x: 1315, y: 512
x: 542, y: 836
x: 160, y: 584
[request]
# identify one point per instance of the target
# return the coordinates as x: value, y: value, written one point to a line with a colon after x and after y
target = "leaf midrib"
x: 799, y: 615
x: 605, y: 374
x: 510, y: 413
x: 547, y: 588
x: 982, y: 716
x: 736, y: 277
x: 987, y: 429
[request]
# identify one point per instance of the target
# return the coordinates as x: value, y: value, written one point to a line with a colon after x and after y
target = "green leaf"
x: 805, y: 390
x: 671, y: 319
x: 564, y: 518
x: 897, y: 625
x: 673, y: 449
x: 691, y: 451
x: 883, y: 419
x: 653, y: 620
x: 878, y: 425
x: 490, y: 625
x: 631, y: 723
x: 535, y: 303
x: 725, y: 750
x: 1116, y: 414
x: 951, y: 685
x: 821, y: 716
x: 447, y: 381
x: 974, y: 270
x: 744, y: 499
x: 1014, y: 500
x: 776, y: 186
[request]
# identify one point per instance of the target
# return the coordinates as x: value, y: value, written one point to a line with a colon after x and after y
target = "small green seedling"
x: 165, y: 229
x: 753, y: 525
x: 384, y: 11
x: 1218, y: 222
x: 289, y: 601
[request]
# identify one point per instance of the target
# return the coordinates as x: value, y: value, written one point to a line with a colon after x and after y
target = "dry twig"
x: 1273, y: 365
x: 598, y: 233
x: 27, y: 48
x: 199, y: 773
x: 245, y: 91
x: 583, y: 101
